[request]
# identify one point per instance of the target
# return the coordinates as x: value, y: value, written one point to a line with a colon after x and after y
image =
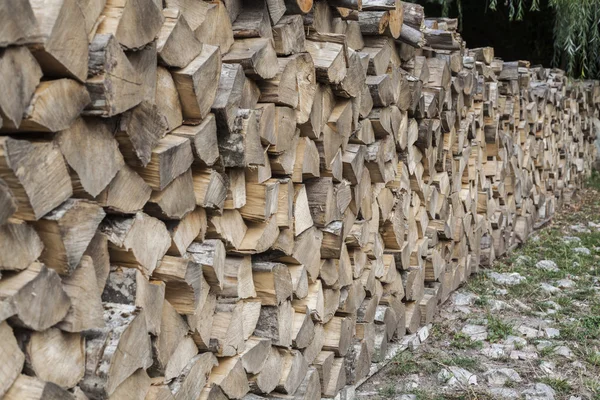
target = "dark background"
x: 530, y: 39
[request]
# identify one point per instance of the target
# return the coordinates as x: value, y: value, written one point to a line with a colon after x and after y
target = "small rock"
x: 549, y: 288
x: 508, y: 279
x: 463, y: 309
x: 553, y: 304
x: 499, y: 377
x: 464, y: 299
x: 547, y: 367
x: 540, y: 391
x: 407, y: 397
x: 547, y: 265
x: 455, y: 376
x: 504, y: 393
x: 574, y: 398
x: 500, y: 292
x: 475, y: 332
x: 515, y: 341
x: 592, y: 224
x: 497, y: 305
x: 552, y: 332
x: 571, y: 239
x: 565, y: 283
x: 578, y: 365
x: 521, y: 305
x: 495, y: 350
x: 542, y: 344
x: 582, y: 250
x: 563, y: 351
x: 528, y: 332
x: 523, y: 355
x: 411, y: 382
x: 580, y: 228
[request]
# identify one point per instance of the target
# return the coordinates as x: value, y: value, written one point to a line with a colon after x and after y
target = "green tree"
x: 576, y: 29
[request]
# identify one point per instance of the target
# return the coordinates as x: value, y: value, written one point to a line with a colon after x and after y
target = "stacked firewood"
x: 249, y: 199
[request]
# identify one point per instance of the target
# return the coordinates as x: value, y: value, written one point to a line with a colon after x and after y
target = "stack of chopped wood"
x: 250, y: 199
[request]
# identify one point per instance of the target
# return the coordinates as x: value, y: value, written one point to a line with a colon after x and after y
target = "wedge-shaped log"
x: 186, y: 289
x: 276, y: 323
x: 272, y: 281
x: 36, y: 174
x: 229, y: 377
x: 136, y: 242
x: 116, y: 351
x: 66, y: 233
x: 175, y: 201
x: 216, y: 28
x: 134, y: 23
x: 177, y: 45
x: 189, y: 383
x: 113, y: 83
x: 204, y: 140
x: 256, y: 55
x: 330, y: 65
x: 17, y: 30
x: 24, y: 243
x: 13, y: 357
x: 197, y: 83
x: 210, y: 188
x: 28, y: 387
x: 210, y: 255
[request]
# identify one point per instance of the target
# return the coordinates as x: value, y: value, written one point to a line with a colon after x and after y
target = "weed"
x: 498, y: 329
x: 404, y: 364
x: 462, y: 362
x: 593, y: 358
x: 387, y: 391
x: 462, y: 341
x: 562, y: 386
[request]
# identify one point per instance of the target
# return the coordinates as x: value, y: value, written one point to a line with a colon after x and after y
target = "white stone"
x: 504, y: 393
x: 475, y: 332
x: 563, y: 351
x: 495, y: 350
x: 579, y: 228
x: 565, y: 283
x: 500, y: 292
x: 464, y: 298
x: 457, y: 377
x: 546, y: 287
x: 423, y: 333
x: 523, y: 260
x: 582, y: 250
x: 497, y: 305
x: 547, y: 265
x: 540, y: 391
x: 523, y: 355
x: 407, y: 397
x: 500, y: 376
x: 542, y: 344
x: 515, y: 341
x: 547, y: 367
x: 528, y: 332
x: 552, y: 332
x: 507, y: 279
x: 571, y: 239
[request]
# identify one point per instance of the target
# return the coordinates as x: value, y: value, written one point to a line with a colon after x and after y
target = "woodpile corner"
x: 252, y: 199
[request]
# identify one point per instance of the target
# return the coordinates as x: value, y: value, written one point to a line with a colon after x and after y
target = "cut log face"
x: 16, y: 31
x: 136, y: 242
x: 53, y: 107
x: 186, y: 288
x: 257, y: 57
x: 124, y: 335
x: 66, y: 233
x: 134, y: 23
x: 57, y: 357
x: 25, y: 244
x: 197, y: 83
x: 35, y: 297
x: 204, y: 140
x: 27, y: 387
x: 177, y: 45
x: 61, y: 22
x: 216, y: 28
x: 13, y: 358
x: 37, y: 192
x: 113, y: 83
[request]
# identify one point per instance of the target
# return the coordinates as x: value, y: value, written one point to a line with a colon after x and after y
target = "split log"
x: 210, y: 254
x: 27, y: 387
x: 13, y: 358
x: 25, y: 244
x: 230, y: 378
x: 16, y: 31
x: 177, y: 45
x: 256, y: 56
x: 276, y: 323
x: 203, y: 138
x: 183, y: 232
x: 273, y: 282
x: 185, y: 287
x: 216, y: 28
x: 288, y: 35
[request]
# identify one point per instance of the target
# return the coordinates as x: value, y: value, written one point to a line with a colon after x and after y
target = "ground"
x: 527, y: 329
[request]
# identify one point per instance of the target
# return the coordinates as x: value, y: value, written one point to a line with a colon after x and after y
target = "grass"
x: 461, y: 341
x: 404, y: 364
x: 387, y: 391
x: 498, y: 329
x: 561, y: 386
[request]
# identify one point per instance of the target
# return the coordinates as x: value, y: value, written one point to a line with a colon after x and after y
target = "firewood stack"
x: 246, y: 199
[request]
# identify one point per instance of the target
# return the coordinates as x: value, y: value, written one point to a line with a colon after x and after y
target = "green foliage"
x: 498, y: 329
x: 576, y: 30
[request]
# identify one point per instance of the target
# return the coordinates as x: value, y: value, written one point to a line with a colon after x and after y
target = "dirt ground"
x: 527, y: 329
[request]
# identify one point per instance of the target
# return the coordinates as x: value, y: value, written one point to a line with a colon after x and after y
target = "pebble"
x: 497, y: 305
x: 457, y: 377
x: 571, y: 239
x: 523, y: 260
x: 411, y: 382
x: 504, y: 393
x: 528, y: 332
x: 552, y: 333
x: 508, y: 279
x: 500, y: 292
x: 546, y: 287
x: 406, y: 397
x: 563, y: 351
x: 580, y: 228
x: 547, y: 265
x: 501, y: 376
x: 495, y: 350
x: 542, y: 344
x: 523, y: 355
x: 464, y: 299
x: 582, y: 250
x: 540, y: 391
x: 547, y: 367
x: 475, y: 332
x: 515, y: 341
x: 565, y: 283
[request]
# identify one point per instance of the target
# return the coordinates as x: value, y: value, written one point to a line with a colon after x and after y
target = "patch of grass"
x: 387, y: 391
x: 546, y: 351
x: 460, y: 341
x: 593, y: 357
x: 403, y: 364
x: 593, y: 181
x: 562, y: 386
x: 467, y: 363
x: 498, y: 329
